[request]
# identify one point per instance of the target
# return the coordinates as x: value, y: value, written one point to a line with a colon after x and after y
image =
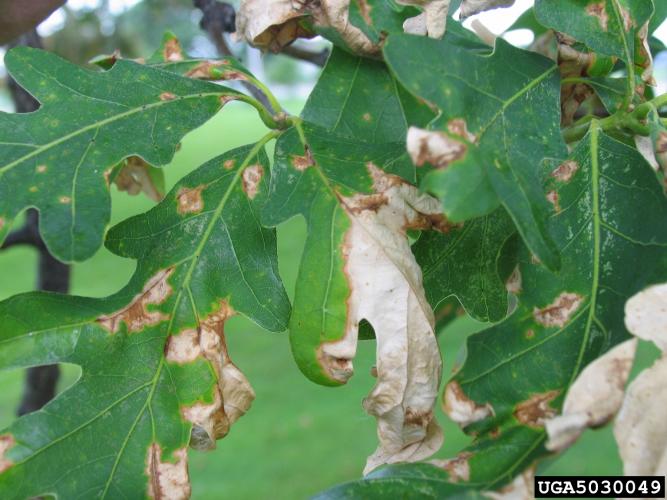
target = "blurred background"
x: 298, y: 438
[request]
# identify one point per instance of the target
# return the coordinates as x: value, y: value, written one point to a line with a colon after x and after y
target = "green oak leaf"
x: 472, y: 263
x: 55, y: 159
x: 608, y: 213
x: 421, y: 481
x: 606, y: 26
x: 509, y: 102
x: 659, y: 15
x: 154, y: 365
x: 356, y: 114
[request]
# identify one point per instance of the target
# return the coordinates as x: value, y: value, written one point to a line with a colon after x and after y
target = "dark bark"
x: 52, y: 276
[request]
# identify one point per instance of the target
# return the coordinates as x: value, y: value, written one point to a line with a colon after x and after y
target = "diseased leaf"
x: 640, y: 428
x: 378, y: 18
x: 472, y: 7
x: 511, y: 114
x: 156, y: 374
x: 469, y: 263
x: 55, y: 159
x: 594, y: 398
x: 346, y: 171
x: 607, y: 211
x: 134, y: 176
x: 606, y: 26
x: 432, y: 21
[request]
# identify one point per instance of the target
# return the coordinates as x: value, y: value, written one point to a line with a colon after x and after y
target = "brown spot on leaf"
x: 209, y: 422
x: 552, y: 197
x: 461, y: 409
x: 513, y: 284
x: 301, y: 163
x: 536, y: 410
x: 167, y: 480
x: 252, y: 176
x: 172, y: 51
x: 41, y: 169
x: 228, y: 164
x: 565, y: 171
x: 6, y: 442
x: 224, y: 99
x: 167, y: 96
x: 435, y: 148
x: 361, y: 203
x: 530, y: 333
x: 458, y: 126
x: 366, y: 117
x: 205, y: 70
x: 137, y: 315
x: 33, y: 189
x: 2, y: 223
x: 190, y: 200
x: 418, y: 418
x: 338, y: 369
x: 661, y: 143
x: 628, y: 23
x: 560, y: 311
x: 458, y: 468
x: 365, y: 11
x: 599, y: 10
x: 65, y: 200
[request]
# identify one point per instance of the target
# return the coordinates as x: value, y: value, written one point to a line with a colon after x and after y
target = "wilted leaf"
x: 594, y: 398
x: 517, y: 373
x: 357, y: 264
x: 472, y: 7
x: 511, y: 141
x: 55, y: 159
x: 156, y: 374
x: 640, y: 428
x: 432, y: 21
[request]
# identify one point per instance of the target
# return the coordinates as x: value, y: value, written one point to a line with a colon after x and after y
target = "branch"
x: 317, y: 58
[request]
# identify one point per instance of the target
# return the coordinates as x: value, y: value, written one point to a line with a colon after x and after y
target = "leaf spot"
x: 167, y: 481
x: 65, y: 200
x: 252, y: 176
x: 461, y: 409
x: 565, y: 171
x: 560, y: 311
x: 458, y: 468
x: 172, y: 51
x: 167, y: 96
x: 536, y: 410
x: 599, y: 10
x: 301, y: 163
x: 552, y: 197
x: 458, y: 126
x: 229, y: 164
x: 6, y: 442
x: 136, y: 315
x: 41, y: 169
x: 33, y: 189
x: 190, y: 200
x: 366, y: 117
x: 513, y: 284
x: 436, y: 148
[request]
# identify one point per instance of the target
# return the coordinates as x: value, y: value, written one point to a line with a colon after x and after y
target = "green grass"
x: 298, y: 438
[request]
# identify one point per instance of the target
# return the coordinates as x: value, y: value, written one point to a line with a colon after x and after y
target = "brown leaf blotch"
x: 514, y: 282
x: 599, y: 10
x: 435, y: 148
x: 41, y: 169
x: 301, y: 163
x: 560, y: 311
x: 458, y: 126
x: 167, y: 96
x: 535, y: 411
x: 137, y: 315
x: 172, y: 51
x: 6, y: 442
x: 252, y: 177
x: 229, y: 164
x: 553, y: 198
x: 461, y: 409
x: 365, y: 10
x: 203, y: 71
x: 65, y: 200
x: 190, y: 200
x: 209, y: 422
x: 338, y: 369
x: 458, y: 468
x: 565, y: 171
x: 366, y: 117
x: 167, y: 480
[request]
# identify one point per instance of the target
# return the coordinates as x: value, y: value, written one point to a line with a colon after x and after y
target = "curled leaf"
x: 134, y: 176
x: 472, y: 7
x: 431, y: 22
x: 387, y: 291
x: 641, y: 428
x: 594, y: 398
